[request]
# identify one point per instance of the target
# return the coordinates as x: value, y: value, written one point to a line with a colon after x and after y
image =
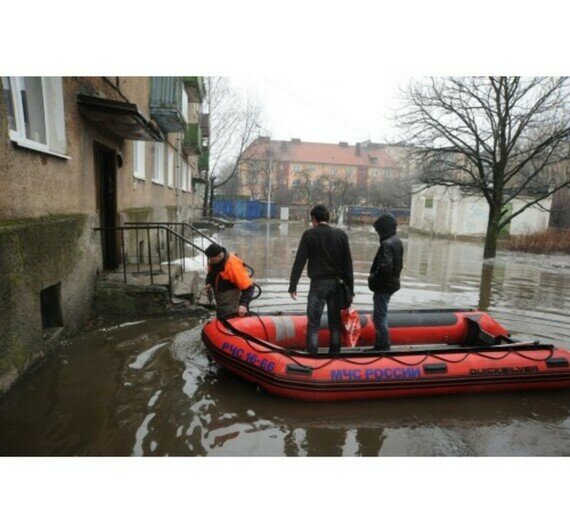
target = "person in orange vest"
x: 229, y: 280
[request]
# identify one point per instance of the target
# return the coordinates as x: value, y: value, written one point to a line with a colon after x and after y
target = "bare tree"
x: 339, y: 191
x: 306, y: 190
x: 231, y: 187
x: 491, y: 136
x: 391, y: 192
x: 234, y: 120
x: 256, y: 172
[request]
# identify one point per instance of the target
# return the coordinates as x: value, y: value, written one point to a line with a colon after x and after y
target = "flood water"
x: 147, y: 387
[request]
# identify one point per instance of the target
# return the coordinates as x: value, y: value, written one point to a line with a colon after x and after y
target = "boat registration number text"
x: 251, y: 358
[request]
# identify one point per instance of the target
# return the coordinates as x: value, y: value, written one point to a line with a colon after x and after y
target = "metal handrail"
x: 183, y: 224
x: 147, y: 227
x: 192, y: 229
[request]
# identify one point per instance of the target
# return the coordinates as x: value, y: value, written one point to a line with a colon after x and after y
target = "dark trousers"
x: 323, y: 291
x: 380, y: 319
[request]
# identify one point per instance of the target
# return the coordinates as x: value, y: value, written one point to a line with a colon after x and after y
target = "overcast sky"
x: 326, y: 109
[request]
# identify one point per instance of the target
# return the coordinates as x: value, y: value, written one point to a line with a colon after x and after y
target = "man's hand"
x: 293, y: 295
x: 242, y: 311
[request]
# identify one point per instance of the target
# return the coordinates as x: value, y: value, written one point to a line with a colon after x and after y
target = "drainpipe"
x: 177, y: 180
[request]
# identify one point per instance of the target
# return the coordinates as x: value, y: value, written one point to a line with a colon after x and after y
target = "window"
x: 296, y: 167
x: 184, y: 180
x: 334, y: 170
x: 50, y: 305
x: 429, y: 203
x: 158, y: 176
x: 387, y: 172
x: 185, y: 106
x: 349, y: 172
x: 189, y: 178
x: 139, y: 152
x: 170, y: 168
x: 35, y: 113
x: 374, y: 172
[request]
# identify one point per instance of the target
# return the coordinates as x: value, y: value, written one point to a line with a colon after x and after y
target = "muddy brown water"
x: 147, y: 387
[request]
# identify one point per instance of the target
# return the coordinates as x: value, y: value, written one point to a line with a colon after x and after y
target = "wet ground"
x: 148, y: 387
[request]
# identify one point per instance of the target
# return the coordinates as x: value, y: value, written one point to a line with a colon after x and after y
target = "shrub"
x: 550, y: 241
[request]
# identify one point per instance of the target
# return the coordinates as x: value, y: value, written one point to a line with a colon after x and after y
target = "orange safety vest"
x: 234, y: 272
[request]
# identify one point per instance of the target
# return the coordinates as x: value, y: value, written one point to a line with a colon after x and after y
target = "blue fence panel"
x: 243, y: 209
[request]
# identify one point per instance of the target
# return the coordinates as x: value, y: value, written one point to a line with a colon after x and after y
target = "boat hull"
x: 426, y: 370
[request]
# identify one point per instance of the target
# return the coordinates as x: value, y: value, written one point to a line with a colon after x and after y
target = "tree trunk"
x: 485, y: 288
x: 492, y: 233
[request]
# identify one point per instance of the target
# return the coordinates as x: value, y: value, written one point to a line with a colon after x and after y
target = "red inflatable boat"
x: 433, y: 352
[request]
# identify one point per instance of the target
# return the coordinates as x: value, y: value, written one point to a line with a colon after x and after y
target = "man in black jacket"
x: 384, y: 278
x: 330, y: 264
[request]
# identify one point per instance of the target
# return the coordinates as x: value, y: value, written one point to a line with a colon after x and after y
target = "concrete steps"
x: 139, y: 297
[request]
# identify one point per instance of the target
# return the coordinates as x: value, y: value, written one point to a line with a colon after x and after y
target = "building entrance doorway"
x: 106, y: 181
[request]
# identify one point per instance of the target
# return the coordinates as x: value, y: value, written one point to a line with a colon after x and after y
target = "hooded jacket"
x: 230, y: 274
x: 385, y: 270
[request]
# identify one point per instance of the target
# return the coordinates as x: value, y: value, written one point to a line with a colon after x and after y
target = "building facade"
x: 448, y: 212
x: 281, y: 164
x: 80, y: 156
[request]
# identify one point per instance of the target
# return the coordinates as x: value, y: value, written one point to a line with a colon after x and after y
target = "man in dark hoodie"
x: 384, y: 278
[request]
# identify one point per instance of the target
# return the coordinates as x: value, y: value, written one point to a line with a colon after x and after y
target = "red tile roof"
x: 319, y: 153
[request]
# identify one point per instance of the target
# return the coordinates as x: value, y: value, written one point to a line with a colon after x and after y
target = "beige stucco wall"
x: 35, y: 184
x: 48, y: 209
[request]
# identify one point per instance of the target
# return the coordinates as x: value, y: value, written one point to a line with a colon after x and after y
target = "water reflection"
x: 148, y: 387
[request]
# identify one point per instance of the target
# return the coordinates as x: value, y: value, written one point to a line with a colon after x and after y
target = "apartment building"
x: 284, y: 162
x: 80, y: 156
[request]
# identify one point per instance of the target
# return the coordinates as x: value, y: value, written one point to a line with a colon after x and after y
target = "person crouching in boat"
x: 229, y: 280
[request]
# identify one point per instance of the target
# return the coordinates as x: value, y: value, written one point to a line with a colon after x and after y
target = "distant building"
x: 448, y: 212
x: 77, y: 154
x: 285, y: 162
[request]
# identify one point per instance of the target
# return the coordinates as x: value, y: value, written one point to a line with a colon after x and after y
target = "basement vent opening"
x: 50, y: 300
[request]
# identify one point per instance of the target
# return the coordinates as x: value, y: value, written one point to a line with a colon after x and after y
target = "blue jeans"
x: 323, y: 291
x: 380, y: 319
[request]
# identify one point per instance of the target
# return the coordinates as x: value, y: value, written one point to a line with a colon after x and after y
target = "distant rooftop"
x: 365, y: 153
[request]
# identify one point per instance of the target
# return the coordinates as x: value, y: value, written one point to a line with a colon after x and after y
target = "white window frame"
x: 19, y: 134
x: 139, y: 159
x: 170, y: 168
x: 189, y: 179
x: 185, y: 105
x: 183, y: 176
x: 158, y: 166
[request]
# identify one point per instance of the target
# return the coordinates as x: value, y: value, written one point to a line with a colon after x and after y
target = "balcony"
x: 204, y: 160
x: 195, y: 87
x: 192, y: 144
x: 167, y: 98
x: 205, y: 124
